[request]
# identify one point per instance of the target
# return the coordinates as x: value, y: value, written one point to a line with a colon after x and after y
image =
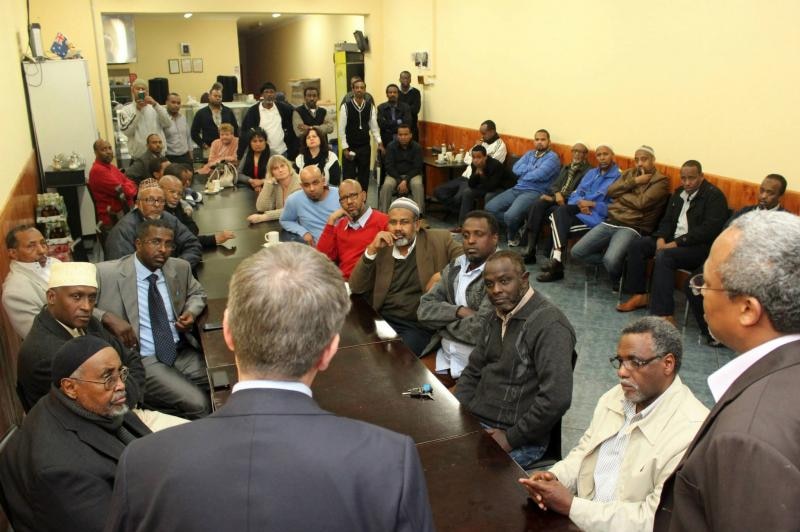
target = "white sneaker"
x: 514, y: 242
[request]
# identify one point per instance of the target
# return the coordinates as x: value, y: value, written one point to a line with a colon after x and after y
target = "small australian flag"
x: 59, y: 46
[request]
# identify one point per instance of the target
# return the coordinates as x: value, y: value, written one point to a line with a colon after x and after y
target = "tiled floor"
x: 588, y: 301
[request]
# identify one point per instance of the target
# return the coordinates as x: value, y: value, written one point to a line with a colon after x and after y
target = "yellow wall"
x: 17, y: 146
x: 273, y: 55
x: 212, y: 38
x: 715, y: 81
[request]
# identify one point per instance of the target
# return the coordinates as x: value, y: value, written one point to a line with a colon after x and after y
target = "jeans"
x: 614, y: 240
x: 511, y: 207
x: 525, y: 455
x: 412, y: 333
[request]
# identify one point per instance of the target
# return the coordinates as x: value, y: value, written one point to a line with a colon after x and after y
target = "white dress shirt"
x: 270, y: 121
x: 724, y: 377
x: 293, y: 386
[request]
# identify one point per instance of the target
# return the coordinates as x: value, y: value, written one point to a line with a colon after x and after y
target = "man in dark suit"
x: 150, y: 202
x: 310, y: 470
x: 57, y: 472
x: 742, y: 471
x: 695, y: 215
x: 400, y: 265
x: 770, y: 194
x: 160, y: 298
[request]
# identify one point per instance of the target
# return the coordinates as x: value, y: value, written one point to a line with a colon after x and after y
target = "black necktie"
x: 163, y: 341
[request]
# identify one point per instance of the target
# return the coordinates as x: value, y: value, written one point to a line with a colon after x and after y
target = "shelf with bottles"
x: 50, y: 207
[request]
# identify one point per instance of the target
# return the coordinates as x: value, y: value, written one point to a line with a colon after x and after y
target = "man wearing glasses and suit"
x: 612, y: 480
x: 160, y: 298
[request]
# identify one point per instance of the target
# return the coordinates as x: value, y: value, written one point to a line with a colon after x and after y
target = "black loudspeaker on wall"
x: 230, y: 87
x: 159, y: 89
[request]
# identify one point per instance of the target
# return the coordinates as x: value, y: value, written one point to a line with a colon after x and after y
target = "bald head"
x: 103, y: 151
x: 173, y: 188
x: 313, y: 183
x: 352, y: 198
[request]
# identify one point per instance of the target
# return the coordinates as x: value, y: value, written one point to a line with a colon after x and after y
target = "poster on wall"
x: 197, y: 64
x: 174, y: 66
x: 186, y: 65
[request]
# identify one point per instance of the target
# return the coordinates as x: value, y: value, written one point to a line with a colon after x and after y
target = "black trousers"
x: 185, y: 159
x: 667, y: 261
x: 358, y: 168
x: 696, y: 305
x: 563, y: 220
x: 537, y: 216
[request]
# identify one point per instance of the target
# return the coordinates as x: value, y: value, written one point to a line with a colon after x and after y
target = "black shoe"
x: 529, y: 258
x: 550, y: 265
x: 552, y: 275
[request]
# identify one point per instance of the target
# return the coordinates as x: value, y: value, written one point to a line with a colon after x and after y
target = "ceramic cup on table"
x: 271, y: 239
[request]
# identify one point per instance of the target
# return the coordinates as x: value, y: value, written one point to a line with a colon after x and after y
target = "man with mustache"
x: 25, y: 286
x: 398, y: 266
x: 57, y: 471
x: 518, y: 381
x: 160, y: 298
x: 71, y: 296
x: 108, y: 185
x: 457, y: 304
x: 640, y: 429
x: 150, y: 204
x: 351, y: 228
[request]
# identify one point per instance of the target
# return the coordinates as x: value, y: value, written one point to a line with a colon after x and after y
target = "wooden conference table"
x: 472, y: 483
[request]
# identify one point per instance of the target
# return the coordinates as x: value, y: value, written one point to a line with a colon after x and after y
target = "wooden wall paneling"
x: 19, y: 209
x: 739, y: 193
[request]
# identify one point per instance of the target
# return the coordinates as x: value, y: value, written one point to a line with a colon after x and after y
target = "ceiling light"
x: 187, y: 15
x: 276, y: 15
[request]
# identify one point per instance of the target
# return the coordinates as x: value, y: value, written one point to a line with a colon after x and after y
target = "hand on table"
x: 223, y: 236
x: 547, y: 492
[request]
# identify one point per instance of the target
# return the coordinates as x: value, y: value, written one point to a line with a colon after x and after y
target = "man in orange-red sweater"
x: 104, y: 178
x: 350, y: 229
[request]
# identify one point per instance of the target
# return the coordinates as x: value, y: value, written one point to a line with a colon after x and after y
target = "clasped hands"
x: 547, y: 492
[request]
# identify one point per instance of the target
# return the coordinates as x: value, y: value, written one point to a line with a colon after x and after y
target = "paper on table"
x: 384, y: 330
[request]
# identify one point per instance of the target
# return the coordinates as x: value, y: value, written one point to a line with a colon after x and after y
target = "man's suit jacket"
x: 46, y: 337
x: 121, y: 239
x: 117, y: 292
x: 742, y: 471
x: 271, y: 460
x: 57, y: 472
x: 435, y: 248
x: 24, y: 295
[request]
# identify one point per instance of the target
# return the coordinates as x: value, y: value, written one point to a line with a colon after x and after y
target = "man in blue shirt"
x: 535, y: 171
x: 304, y: 215
x: 586, y: 207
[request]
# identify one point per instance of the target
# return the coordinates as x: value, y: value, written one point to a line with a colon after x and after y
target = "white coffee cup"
x: 449, y: 156
x: 271, y: 238
x: 440, y: 158
x: 459, y: 157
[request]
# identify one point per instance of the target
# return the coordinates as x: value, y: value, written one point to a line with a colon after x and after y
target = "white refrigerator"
x: 63, y: 119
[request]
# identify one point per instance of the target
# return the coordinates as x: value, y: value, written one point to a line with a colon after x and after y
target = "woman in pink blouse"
x: 222, y: 149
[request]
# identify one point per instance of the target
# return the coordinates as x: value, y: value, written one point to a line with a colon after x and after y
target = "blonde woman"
x: 222, y: 149
x: 280, y: 181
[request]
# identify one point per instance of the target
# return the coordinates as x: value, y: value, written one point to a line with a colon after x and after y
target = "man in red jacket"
x: 106, y: 183
x: 350, y: 229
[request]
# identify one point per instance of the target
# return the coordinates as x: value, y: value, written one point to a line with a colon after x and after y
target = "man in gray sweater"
x: 518, y: 382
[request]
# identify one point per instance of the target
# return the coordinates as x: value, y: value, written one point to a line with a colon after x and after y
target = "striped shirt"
x: 612, y: 452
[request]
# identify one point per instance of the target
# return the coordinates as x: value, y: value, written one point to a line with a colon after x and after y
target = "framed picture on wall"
x: 197, y: 64
x: 185, y: 49
x: 174, y: 66
x: 186, y: 65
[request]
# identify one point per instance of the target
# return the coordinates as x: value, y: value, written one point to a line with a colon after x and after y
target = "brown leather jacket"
x: 638, y: 206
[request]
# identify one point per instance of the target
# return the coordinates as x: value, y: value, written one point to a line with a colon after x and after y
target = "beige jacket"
x: 655, y: 447
x: 24, y: 295
x: 271, y: 199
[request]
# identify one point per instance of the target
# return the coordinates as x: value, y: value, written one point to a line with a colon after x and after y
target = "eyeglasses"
x: 154, y: 201
x: 157, y: 243
x: 631, y: 363
x: 698, y: 284
x: 345, y: 199
x: 110, y: 381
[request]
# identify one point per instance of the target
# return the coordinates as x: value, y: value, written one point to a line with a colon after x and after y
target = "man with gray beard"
x: 57, y: 472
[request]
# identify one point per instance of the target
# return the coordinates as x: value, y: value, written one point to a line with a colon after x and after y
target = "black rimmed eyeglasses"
x: 632, y: 363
